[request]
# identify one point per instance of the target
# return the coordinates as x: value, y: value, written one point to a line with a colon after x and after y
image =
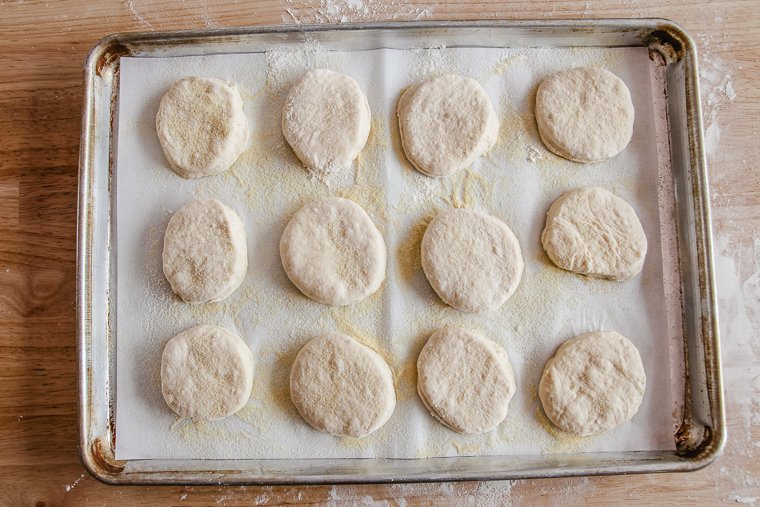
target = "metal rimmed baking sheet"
x: 97, y: 308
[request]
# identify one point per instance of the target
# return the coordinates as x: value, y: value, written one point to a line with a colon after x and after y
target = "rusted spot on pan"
x: 693, y: 440
x: 105, y: 460
x: 110, y: 54
x: 668, y: 42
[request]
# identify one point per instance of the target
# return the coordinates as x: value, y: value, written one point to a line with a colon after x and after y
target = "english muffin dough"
x: 205, y: 254
x: 595, y: 382
x: 446, y: 123
x: 326, y: 120
x: 465, y: 380
x: 584, y: 114
x: 202, y: 126
x: 333, y: 252
x: 472, y: 260
x: 593, y: 232
x: 341, y: 386
x: 206, y: 373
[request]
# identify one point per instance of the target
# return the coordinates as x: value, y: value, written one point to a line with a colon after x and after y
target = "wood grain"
x: 42, y: 50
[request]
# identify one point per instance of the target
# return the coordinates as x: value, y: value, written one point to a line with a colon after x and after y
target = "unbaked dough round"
x: 202, y: 126
x: 472, y: 260
x: 593, y: 232
x: 465, y: 380
x: 326, y: 120
x: 446, y: 123
x: 584, y: 114
x: 333, y: 252
x: 341, y: 386
x: 206, y: 373
x: 205, y: 254
x: 595, y: 382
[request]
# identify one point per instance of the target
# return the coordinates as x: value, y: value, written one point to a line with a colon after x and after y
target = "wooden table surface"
x: 42, y: 50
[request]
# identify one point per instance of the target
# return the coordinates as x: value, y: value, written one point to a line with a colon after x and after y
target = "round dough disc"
x: 595, y: 382
x: 465, y: 380
x: 593, y: 232
x: 326, y: 120
x: 333, y: 252
x: 584, y: 114
x: 446, y: 123
x: 206, y: 373
x: 341, y: 386
x: 472, y: 260
x: 205, y: 254
x: 202, y: 126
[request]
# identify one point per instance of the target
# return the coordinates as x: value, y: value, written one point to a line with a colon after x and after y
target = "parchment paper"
x: 516, y: 181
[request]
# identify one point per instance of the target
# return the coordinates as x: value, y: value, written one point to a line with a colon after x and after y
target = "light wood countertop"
x: 43, y: 46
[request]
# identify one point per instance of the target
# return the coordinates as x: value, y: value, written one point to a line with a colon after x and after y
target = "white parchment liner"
x: 516, y: 181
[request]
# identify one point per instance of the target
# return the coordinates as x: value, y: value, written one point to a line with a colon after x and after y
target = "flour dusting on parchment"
x: 516, y: 181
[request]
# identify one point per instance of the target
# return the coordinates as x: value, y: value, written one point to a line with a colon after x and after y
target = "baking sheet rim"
x: 99, y: 459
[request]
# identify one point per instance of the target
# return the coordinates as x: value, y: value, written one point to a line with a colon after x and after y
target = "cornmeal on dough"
x: 333, y: 252
x: 446, y: 123
x: 472, y: 260
x: 202, y: 126
x: 326, y: 120
x: 595, y: 382
x: 593, y: 232
x: 584, y: 114
x: 206, y: 373
x: 342, y: 387
x: 465, y: 380
x: 205, y: 256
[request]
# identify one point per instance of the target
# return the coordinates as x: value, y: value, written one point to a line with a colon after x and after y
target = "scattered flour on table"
x: 717, y: 88
x: 69, y: 487
x: 480, y: 494
x: 737, y: 267
x: 130, y: 4
x: 747, y: 500
x: 197, y: 11
x: 737, y: 273
x: 342, y: 11
x: 262, y: 499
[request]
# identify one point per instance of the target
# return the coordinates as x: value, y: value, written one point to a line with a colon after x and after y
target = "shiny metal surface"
x: 703, y: 430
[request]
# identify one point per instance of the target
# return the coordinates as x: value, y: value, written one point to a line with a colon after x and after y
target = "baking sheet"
x: 516, y: 181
